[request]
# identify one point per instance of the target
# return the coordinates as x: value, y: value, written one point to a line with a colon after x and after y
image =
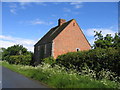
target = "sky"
x: 25, y: 23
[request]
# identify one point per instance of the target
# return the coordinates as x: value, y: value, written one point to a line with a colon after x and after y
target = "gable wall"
x: 70, y: 39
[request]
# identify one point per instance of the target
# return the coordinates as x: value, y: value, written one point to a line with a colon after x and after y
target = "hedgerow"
x: 96, y: 59
x: 20, y: 59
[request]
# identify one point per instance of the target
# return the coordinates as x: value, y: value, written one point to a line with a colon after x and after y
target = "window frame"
x: 73, y: 24
x: 77, y: 49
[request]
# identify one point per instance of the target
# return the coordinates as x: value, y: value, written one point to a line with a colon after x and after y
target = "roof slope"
x: 49, y: 36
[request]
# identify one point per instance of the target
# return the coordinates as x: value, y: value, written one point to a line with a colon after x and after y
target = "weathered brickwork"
x: 70, y: 39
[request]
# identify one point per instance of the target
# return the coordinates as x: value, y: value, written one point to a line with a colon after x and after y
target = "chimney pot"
x: 61, y: 21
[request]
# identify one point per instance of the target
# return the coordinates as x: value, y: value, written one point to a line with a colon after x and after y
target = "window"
x: 38, y: 48
x: 77, y: 49
x: 73, y: 24
x: 45, y: 49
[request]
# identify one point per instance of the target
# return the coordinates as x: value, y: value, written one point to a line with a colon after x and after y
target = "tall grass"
x: 58, y: 77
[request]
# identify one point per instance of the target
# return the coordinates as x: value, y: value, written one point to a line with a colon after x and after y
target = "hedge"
x: 20, y: 59
x: 96, y: 59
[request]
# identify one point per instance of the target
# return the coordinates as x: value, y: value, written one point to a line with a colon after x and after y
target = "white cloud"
x: 36, y: 22
x: 13, y: 8
x: 28, y: 0
x: 13, y: 5
x: 7, y: 41
x: 13, y: 11
x: 53, y: 15
x: 23, y: 5
x: 16, y: 7
x: 66, y: 10
x: 77, y: 5
x: 60, y: 0
x: 40, y: 3
x: 90, y: 32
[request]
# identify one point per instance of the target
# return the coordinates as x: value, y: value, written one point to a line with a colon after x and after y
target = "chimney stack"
x: 61, y: 21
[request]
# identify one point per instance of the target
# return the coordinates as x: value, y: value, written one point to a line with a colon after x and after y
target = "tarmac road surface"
x: 12, y: 79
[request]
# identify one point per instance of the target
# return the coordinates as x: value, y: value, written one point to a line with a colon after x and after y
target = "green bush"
x: 96, y: 59
x: 49, y: 60
x: 20, y: 59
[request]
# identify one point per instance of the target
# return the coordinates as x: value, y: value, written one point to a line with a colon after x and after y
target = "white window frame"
x: 77, y: 49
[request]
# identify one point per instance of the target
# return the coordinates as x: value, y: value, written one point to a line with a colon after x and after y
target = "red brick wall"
x: 70, y: 39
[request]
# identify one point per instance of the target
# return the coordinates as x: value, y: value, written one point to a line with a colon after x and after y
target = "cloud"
x: 36, y: 22
x: 14, y: 7
x: 90, y: 32
x: 7, y: 41
x: 66, y: 10
x: 13, y: 11
x: 28, y: 0
x: 23, y: 5
x: 40, y: 3
x: 60, y: 0
x: 77, y: 5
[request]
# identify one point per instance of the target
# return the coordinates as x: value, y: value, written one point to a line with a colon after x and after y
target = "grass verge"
x: 57, y: 77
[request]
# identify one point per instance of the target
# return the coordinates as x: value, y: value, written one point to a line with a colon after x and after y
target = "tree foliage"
x: 107, y: 41
x: 2, y: 50
x: 17, y: 54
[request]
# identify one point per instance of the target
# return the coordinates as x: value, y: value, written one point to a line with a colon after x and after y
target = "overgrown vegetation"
x: 17, y: 54
x: 20, y: 59
x: 58, y: 77
x: 97, y: 60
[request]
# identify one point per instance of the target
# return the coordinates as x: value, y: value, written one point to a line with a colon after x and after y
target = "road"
x: 12, y: 79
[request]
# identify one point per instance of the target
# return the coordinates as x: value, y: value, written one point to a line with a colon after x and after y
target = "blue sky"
x: 25, y: 23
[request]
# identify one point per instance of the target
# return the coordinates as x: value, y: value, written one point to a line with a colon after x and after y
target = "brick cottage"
x: 65, y: 37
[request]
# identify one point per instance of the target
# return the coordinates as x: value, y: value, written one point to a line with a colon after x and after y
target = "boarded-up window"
x: 45, y: 49
x: 38, y: 48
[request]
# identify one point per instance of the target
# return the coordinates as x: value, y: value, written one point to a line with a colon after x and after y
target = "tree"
x: 1, y: 52
x: 15, y: 50
x: 107, y: 41
x: 116, y: 41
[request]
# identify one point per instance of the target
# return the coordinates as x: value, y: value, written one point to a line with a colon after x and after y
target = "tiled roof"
x: 52, y: 33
